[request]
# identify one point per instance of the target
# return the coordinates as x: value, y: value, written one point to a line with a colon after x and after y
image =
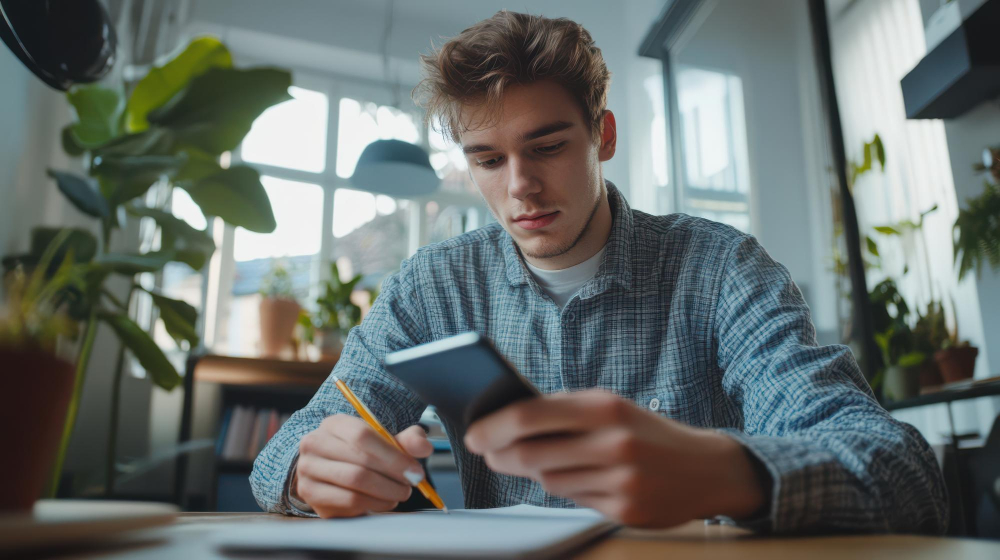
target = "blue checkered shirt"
x: 687, y: 311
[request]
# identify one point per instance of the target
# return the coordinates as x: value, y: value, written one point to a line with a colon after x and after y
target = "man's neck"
x: 593, y: 240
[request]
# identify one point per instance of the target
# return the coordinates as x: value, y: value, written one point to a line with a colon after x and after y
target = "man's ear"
x: 609, y: 137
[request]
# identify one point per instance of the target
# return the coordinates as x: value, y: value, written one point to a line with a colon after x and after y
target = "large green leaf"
x: 164, y: 82
x: 216, y: 110
x: 98, y: 112
x: 178, y: 317
x: 80, y: 192
x: 69, y: 142
x: 81, y: 242
x: 152, y: 142
x: 199, y: 165
x: 190, y: 246
x: 131, y: 264
x: 236, y: 196
x: 132, y: 176
x: 156, y: 364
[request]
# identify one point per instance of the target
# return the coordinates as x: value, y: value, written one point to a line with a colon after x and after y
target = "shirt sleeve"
x: 837, y: 459
x: 396, y: 321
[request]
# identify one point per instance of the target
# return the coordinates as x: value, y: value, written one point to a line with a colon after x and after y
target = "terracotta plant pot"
x: 35, y: 389
x: 956, y: 363
x: 278, y: 317
x: 930, y: 374
x: 901, y: 383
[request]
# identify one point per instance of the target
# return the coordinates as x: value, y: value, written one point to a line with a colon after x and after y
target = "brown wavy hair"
x: 474, y: 68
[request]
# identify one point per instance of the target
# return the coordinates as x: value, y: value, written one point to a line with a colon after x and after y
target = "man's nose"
x: 521, y: 180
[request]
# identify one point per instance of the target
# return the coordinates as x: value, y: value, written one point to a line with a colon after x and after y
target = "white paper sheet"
x: 521, y: 531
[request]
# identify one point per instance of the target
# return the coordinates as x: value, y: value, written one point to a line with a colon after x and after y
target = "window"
x: 306, y: 150
x: 713, y: 140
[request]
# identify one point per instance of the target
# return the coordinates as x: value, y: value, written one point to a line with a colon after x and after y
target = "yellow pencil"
x: 425, y: 487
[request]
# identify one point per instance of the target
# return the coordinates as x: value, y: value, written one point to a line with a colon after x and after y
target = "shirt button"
x: 654, y: 404
x: 570, y: 316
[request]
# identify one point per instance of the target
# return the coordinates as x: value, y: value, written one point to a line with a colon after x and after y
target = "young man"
x: 679, y: 363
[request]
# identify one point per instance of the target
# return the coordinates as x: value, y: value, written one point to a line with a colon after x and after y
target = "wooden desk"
x: 189, y: 538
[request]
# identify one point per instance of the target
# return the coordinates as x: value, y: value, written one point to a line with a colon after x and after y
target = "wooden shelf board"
x: 229, y: 370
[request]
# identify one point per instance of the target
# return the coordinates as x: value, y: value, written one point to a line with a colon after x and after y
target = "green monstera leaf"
x: 235, y: 195
x: 164, y: 82
x: 217, y: 109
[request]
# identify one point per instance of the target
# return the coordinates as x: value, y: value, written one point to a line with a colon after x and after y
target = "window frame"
x: 219, y: 274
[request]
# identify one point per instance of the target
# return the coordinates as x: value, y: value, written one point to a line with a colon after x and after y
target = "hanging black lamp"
x: 64, y: 42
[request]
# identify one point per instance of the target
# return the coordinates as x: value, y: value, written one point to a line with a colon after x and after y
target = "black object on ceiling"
x: 961, y: 72
x: 64, y: 42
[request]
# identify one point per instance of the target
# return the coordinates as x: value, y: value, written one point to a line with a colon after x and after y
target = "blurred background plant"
x: 977, y: 229
x: 171, y: 129
x: 335, y: 314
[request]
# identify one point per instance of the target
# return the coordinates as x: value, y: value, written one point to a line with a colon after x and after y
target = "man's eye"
x: 489, y: 163
x: 550, y: 149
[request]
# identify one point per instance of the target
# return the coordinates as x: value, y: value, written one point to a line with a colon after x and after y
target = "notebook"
x: 520, y: 531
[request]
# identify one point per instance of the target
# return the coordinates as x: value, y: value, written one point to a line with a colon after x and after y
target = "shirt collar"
x: 616, y: 266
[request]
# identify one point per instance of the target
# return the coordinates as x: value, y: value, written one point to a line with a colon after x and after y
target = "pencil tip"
x: 445, y: 509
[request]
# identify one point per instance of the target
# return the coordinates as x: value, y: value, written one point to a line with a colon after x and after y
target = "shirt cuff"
x: 295, y: 505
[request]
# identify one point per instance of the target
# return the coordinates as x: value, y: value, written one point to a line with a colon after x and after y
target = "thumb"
x: 414, y: 441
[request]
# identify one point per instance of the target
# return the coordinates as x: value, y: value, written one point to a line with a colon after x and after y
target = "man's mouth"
x: 536, y: 220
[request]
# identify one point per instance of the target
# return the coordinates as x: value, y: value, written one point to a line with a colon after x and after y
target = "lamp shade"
x: 395, y: 168
x: 64, y: 42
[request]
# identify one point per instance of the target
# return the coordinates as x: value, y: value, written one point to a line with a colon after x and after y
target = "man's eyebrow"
x: 545, y: 130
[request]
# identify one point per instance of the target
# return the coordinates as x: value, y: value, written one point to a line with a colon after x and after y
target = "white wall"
x: 767, y: 43
x: 14, y: 123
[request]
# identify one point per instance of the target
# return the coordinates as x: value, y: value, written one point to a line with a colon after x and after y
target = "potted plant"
x: 899, y: 376
x: 957, y: 358
x: 335, y: 315
x: 36, y: 380
x: 279, y: 311
x: 168, y: 130
x: 930, y: 334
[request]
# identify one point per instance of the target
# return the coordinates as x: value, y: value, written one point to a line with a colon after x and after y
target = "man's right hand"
x: 346, y: 468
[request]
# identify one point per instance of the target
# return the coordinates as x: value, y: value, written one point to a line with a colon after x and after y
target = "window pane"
x: 298, y: 211
x: 375, y: 248
x: 291, y: 134
x: 450, y: 163
x: 712, y: 129
x: 361, y: 123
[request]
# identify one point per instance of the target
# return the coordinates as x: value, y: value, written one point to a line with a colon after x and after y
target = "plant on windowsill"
x: 334, y: 317
x: 279, y: 311
x: 169, y: 130
x: 901, y: 358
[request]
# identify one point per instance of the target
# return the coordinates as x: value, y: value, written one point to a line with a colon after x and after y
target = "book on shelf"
x: 245, y: 430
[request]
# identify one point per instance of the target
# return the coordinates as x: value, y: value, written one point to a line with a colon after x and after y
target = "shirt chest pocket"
x: 689, y: 403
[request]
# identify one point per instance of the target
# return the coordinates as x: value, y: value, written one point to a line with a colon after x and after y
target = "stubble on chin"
x: 555, y: 249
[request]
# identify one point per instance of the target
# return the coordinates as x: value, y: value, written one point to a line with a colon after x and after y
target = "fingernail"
x: 415, y: 476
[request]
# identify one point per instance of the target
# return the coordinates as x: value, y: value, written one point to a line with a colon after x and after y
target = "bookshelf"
x: 251, y: 383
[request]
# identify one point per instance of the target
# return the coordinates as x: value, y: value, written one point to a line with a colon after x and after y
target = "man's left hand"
x: 632, y: 465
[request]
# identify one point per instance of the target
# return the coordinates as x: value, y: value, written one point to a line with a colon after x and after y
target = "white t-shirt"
x: 562, y: 284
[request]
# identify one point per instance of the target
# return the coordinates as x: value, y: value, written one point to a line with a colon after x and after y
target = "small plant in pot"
x: 930, y: 335
x: 279, y: 311
x: 37, y: 384
x: 334, y: 317
x: 901, y: 359
x: 957, y: 358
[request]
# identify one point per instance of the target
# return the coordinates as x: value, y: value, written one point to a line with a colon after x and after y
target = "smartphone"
x: 462, y: 376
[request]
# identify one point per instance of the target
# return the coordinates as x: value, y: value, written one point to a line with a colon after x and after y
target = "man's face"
x: 538, y: 168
